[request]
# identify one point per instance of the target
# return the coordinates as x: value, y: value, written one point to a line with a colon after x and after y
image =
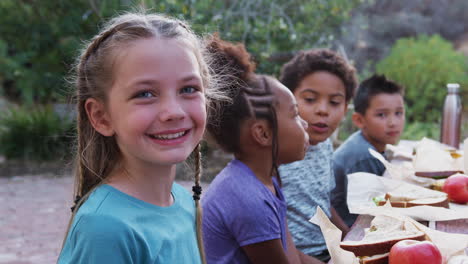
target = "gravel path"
x: 34, y: 213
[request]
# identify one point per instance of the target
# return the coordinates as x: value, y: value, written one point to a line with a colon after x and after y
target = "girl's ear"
x: 261, y: 133
x: 98, y: 117
x: 358, y: 120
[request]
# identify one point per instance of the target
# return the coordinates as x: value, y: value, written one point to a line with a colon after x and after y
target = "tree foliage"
x: 376, y: 25
x: 424, y: 65
x: 39, y: 39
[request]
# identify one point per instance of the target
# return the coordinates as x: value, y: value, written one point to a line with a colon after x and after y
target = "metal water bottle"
x: 451, y: 117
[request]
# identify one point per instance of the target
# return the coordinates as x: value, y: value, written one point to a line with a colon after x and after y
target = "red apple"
x: 456, y: 186
x: 414, y: 252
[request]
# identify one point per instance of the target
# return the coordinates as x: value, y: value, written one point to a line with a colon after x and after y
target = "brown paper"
x: 431, y: 156
x: 362, y: 187
x: 332, y: 237
x: 450, y: 245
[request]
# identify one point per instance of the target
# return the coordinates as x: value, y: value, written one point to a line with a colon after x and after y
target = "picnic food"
x: 456, y: 186
x: 414, y: 252
x: 437, y: 174
x: 434, y: 160
x: 412, y: 195
x: 384, y: 232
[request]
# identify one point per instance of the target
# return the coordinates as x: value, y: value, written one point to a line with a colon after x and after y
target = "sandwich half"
x: 385, y: 231
x: 409, y: 196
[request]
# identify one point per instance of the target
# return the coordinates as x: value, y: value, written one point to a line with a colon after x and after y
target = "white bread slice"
x: 385, y: 231
x: 438, y: 202
x: 431, y: 156
x: 376, y: 259
x: 408, y: 192
x: 409, y: 196
x: 436, y: 174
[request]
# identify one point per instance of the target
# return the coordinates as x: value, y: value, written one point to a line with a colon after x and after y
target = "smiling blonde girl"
x: 142, y: 86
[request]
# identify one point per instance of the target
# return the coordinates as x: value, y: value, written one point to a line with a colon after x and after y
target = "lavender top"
x: 239, y: 210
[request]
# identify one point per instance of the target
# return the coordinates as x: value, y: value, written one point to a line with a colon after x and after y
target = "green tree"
x: 424, y: 65
x: 36, y: 45
x: 39, y: 39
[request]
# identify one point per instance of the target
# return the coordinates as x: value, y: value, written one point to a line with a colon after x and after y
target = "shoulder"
x: 235, y: 179
x: 102, y: 226
x: 356, y: 146
x: 316, y: 163
x: 240, y: 197
x: 368, y: 164
x: 96, y: 238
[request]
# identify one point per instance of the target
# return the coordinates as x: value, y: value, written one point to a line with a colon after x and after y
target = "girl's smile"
x: 169, y: 138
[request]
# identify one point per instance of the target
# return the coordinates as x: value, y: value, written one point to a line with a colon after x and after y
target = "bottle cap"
x: 453, y: 87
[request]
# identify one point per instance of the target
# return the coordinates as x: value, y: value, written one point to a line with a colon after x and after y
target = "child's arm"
x: 306, y: 259
x: 338, y: 222
x: 270, y: 251
x: 296, y: 256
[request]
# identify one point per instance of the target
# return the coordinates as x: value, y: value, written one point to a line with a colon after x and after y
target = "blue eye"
x: 189, y: 89
x: 145, y: 94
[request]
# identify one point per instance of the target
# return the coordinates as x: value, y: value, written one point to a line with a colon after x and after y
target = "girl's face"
x: 155, y: 107
x: 321, y: 97
x: 292, y: 136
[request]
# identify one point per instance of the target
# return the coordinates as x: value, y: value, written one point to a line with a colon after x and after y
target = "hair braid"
x: 260, y: 101
x: 197, y: 190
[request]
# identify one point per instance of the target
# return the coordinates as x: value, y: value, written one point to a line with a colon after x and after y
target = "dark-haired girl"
x: 244, y: 217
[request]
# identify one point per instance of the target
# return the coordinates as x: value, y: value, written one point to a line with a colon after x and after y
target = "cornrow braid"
x: 258, y: 99
x: 197, y: 190
x: 261, y: 104
x: 251, y: 96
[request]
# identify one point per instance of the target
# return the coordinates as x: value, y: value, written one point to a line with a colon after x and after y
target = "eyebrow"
x: 388, y: 109
x: 331, y: 95
x: 156, y: 82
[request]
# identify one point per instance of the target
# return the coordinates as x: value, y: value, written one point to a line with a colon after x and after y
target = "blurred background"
x: 422, y: 44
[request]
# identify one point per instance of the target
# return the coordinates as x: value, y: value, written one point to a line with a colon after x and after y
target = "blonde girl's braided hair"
x: 197, y: 189
x: 97, y: 155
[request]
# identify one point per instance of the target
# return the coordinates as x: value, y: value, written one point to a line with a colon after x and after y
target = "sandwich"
x: 384, y: 232
x: 435, y: 160
x: 411, y: 195
x: 437, y: 174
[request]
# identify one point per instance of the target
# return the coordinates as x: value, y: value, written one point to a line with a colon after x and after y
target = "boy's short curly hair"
x: 314, y: 60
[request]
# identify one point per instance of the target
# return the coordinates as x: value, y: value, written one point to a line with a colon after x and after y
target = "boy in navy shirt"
x: 380, y: 115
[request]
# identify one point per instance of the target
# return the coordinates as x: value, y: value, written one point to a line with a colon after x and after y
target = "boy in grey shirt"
x: 323, y: 83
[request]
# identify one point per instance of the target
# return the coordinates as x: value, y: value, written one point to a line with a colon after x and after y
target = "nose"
x: 392, y: 120
x: 170, y: 109
x: 321, y: 108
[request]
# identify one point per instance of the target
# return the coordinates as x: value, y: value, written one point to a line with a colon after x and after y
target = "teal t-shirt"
x: 113, y: 227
